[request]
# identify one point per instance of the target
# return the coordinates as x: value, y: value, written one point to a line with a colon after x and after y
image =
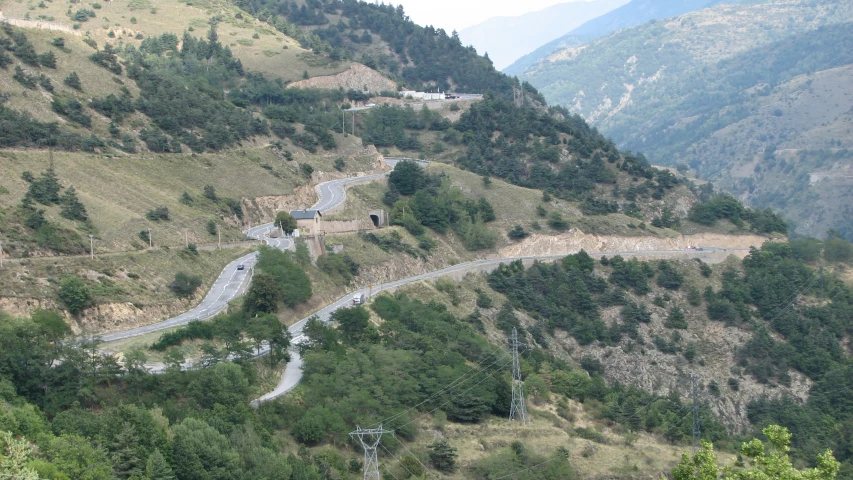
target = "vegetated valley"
x: 140, y: 140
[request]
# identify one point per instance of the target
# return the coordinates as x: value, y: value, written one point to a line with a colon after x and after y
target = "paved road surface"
x: 230, y: 284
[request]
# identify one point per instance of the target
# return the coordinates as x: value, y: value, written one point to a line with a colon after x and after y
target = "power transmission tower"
x: 517, y: 408
x: 697, y: 428
x: 369, y: 439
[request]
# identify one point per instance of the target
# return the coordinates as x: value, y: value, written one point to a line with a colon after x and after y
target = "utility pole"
x: 697, y: 428
x: 369, y: 439
x: 353, y: 124
x: 92, y: 246
x: 150, y: 242
x: 219, y: 236
x: 186, y: 238
x: 1, y: 253
x: 517, y: 409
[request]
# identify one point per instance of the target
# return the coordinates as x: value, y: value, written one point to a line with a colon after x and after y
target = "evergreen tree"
x: 126, y: 462
x: 157, y: 468
x: 443, y: 456
x: 72, y: 208
x: 73, y: 81
x: 48, y: 59
x: 45, y: 189
x: 675, y: 319
x: 262, y: 296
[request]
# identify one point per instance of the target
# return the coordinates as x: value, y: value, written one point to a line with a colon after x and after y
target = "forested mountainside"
x: 417, y: 364
x: 721, y: 90
x: 635, y: 12
x: 151, y: 141
x: 384, y: 38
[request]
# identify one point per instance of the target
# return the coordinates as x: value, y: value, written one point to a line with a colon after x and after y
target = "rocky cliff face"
x: 576, y: 240
x: 103, y: 318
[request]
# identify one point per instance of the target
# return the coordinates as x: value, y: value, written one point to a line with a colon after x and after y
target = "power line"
x: 451, y: 385
x: 458, y: 394
x: 401, y: 463
x: 410, y: 453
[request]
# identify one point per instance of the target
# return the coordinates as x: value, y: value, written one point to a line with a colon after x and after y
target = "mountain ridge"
x: 495, y: 35
x: 631, y: 14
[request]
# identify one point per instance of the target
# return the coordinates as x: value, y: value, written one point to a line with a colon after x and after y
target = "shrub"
x: 210, y: 193
x: 74, y: 294
x: 517, y: 233
x: 184, y: 285
x: 476, y: 235
x: 158, y: 214
x: 337, y: 265
x: 556, y: 221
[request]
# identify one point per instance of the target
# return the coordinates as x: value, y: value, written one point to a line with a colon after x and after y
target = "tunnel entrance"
x: 375, y: 220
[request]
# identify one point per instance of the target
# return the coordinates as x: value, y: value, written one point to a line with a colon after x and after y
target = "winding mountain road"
x: 233, y: 282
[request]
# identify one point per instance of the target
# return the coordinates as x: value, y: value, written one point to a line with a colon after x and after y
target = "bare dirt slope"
x: 357, y: 77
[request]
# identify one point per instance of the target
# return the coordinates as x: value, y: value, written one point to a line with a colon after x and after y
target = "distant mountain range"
x: 631, y: 14
x: 508, y: 38
x: 757, y: 97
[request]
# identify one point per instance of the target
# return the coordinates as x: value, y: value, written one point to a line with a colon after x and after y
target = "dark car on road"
x: 241, y: 267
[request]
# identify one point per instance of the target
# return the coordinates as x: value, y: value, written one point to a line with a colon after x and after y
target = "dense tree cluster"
x: 424, y: 57
x: 386, y: 126
x: 433, y: 203
x: 71, y: 412
x: 726, y: 207
x: 280, y: 279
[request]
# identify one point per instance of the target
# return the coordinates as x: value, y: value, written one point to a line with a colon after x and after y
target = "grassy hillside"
x: 732, y: 83
x: 260, y: 47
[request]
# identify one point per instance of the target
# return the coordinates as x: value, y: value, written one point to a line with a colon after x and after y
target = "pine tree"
x: 73, y: 81
x: 48, y: 59
x: 443, y: 456
x: 72, y: 208
x: 126, y: 462
x: 157, y: 468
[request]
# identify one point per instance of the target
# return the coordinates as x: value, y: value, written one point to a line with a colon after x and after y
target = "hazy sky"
x: 458, y: 14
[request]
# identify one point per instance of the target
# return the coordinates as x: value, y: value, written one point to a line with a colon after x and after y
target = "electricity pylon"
x: 517, y: 409
x: 369, y: 439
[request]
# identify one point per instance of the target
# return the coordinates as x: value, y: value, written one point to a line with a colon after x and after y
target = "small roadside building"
x: 308, y: 222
